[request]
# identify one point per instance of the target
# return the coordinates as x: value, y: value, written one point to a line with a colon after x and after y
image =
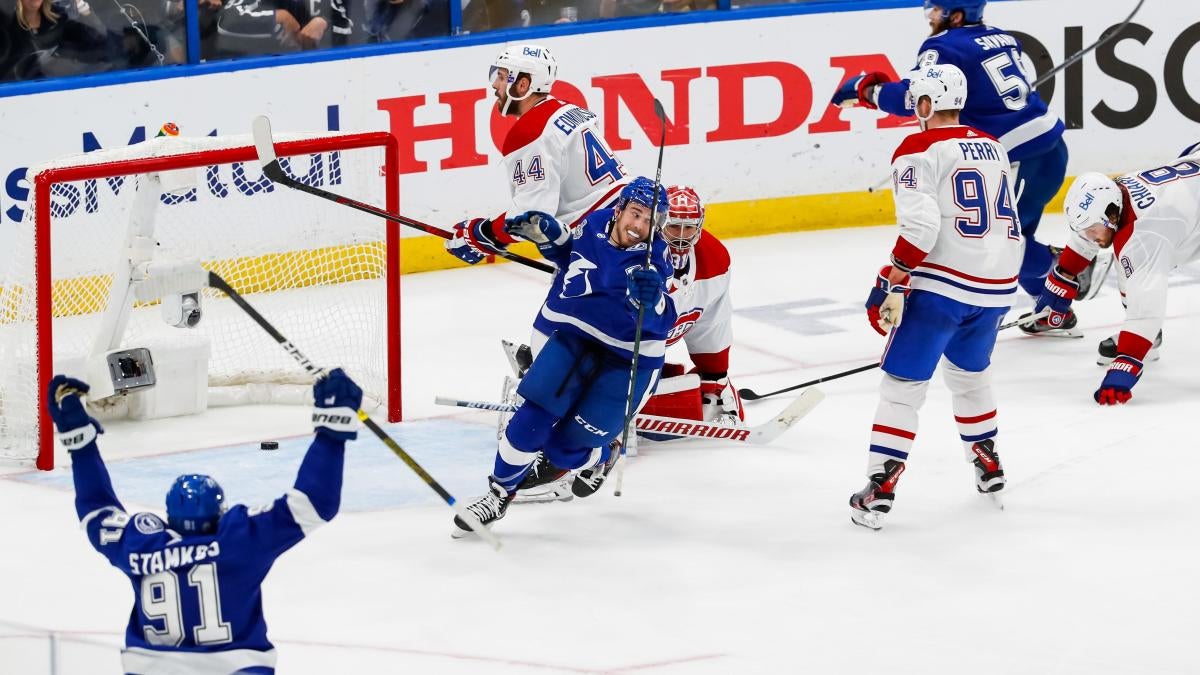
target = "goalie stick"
x: 751, y: 395
x: 220, y: 284
x: 760, y: 434
x: 272, y: 169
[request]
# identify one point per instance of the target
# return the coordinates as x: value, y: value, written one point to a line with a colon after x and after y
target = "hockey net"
x: 325, y: 275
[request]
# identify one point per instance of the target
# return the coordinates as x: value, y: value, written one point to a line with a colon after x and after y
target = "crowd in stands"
x: 51, y: 38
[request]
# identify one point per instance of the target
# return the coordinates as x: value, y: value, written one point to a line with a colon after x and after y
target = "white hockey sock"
x: 974, y: 405
x: 895, y: 424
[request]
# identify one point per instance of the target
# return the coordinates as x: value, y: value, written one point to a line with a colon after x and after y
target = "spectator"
x: 407, y: 19
x: 40, y: 40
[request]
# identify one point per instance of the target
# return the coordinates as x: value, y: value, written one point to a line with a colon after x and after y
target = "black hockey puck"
x: 269, y: 445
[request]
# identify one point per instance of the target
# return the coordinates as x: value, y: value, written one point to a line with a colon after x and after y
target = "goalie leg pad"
x: 676, y: 397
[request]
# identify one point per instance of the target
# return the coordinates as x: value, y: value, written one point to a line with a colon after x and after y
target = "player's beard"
x: 940, y: 27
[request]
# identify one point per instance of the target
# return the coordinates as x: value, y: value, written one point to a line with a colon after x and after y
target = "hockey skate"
x: 487, y: 509
x: 1108, y: 350
x: 870, y: 505
x: 588, y: 481
x: 544, y: 483
x: 1042, y: 327
x: 989, y: 474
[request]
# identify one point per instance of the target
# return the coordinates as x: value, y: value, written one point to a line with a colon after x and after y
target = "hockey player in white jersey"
x: 699, y: 289
x: 555, y: 157
x: 1151, y: 220
x: 952, y: 278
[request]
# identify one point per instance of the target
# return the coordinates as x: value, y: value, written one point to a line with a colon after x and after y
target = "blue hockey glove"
x: 540, y: 228
x: 885, y: 303
x: 1057, y: 295
x: 857, y: 90
x: 471, y: 243
x: 76, y: 429
x: 336, y: 400
x: 645, y: 286
x: 1116, y: 388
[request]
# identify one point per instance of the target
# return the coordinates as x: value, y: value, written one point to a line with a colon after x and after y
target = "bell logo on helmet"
x: 1087, y: 200
x: 531, y: 51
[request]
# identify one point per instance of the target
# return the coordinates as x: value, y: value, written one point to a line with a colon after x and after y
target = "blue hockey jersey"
x: 588, y: 294
x: 1000, y: 100
x: 197, y: 600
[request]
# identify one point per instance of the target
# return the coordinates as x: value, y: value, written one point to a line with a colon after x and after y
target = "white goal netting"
x: 315, y: 269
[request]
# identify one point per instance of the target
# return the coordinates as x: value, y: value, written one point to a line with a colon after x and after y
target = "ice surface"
x: 720, y: 558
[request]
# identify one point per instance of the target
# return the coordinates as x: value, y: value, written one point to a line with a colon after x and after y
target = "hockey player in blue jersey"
x: 575, y: 391
x: 197, y: 600
x: 1002, y: 104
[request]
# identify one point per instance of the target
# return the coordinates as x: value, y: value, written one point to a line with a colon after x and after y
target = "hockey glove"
x: 1057, y: 295
x: 644, y: 286
x: 721, y: 402
x: 1123, y: 373
x: 540, y: 228
x: 76, y: 429
x: 860, y: 90
x: 885, y: 304
x: 336, y: 401
x: 472, y: 241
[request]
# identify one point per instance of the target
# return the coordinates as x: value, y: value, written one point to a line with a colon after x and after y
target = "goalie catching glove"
x: 336, y: 400
x: 885, y: 304
x: 76, y: 429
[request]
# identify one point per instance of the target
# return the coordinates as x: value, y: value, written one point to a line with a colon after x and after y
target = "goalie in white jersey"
x: 555, y: 157
x: 699, y: 289
x: 952, y: 278
x: 1151, y: 220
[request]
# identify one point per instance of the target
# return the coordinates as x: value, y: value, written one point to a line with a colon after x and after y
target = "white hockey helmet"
x: 943, y: 83
x: 533, y: 60
x: 1088, y: 200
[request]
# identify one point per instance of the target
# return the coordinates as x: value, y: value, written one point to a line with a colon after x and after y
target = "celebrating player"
x: 700, y: 290
x: 1002, y: 104
x: 197, y: 600
x: 555, y: 156
x: 953, y: 276
x: 575, y: 391
x: 1151, y: 219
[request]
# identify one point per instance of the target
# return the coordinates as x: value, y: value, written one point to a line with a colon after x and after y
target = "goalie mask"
x: 534, y: 61
x: 685, y: 218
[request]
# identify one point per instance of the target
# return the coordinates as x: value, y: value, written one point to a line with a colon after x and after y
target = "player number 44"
x: 534, y: 172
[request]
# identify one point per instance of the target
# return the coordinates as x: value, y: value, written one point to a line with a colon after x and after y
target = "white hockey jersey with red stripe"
x: 557, y: 162
x: 700, y: 291
x: 959, y: 232
x: 1159, y: 230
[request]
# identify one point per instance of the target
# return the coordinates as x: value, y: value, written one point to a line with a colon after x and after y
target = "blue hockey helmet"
x: 194, y: 504
x: 640, y: 190
x: 972, y: 9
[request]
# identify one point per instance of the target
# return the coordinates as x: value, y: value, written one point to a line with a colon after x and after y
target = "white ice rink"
x: 719, y: 558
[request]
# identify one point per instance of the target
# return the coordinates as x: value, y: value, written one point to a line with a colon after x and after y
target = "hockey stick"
x: 273, y: 170
x: 760, y: 434
x: 751, y: 395
x: 218, y: 283
x: 637, y: 334
x: 1084, y: 52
